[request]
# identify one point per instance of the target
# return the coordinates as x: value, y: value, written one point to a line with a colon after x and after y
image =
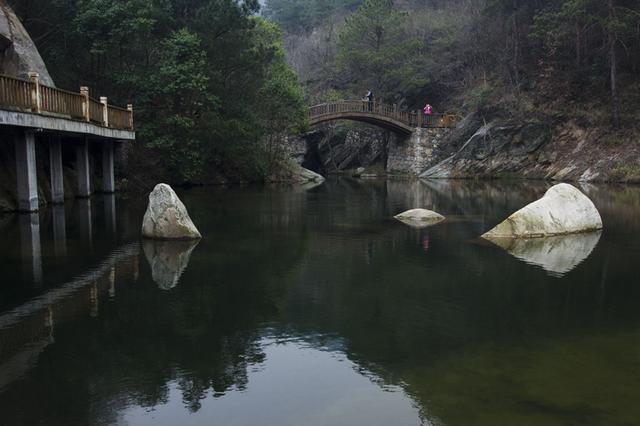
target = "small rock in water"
x: 420, y: 218
x: 359, y: 171
x: 166, y: 217
x: 562, y: 210
x: 307, y: 175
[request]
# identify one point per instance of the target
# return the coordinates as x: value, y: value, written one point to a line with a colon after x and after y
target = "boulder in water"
x: 359, y: 172
x: 562, y: 210
x: 167, y: 218
x: 420, y: 218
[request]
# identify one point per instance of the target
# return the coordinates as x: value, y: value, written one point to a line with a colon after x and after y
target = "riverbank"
x: 560, y: 149
x: 486, y: 144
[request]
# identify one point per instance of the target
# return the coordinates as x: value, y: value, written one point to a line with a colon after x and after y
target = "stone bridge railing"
x: 34, y: 97
x: 412, y: 119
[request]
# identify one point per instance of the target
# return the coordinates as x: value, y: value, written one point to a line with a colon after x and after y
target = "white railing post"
x: 105, y: 111
x: 36, y: 95
x: 130, y: 109
x: 86, y: 111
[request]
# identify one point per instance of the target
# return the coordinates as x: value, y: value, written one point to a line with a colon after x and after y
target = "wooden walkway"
x: 29, y: 108
x: 386, y: 116
x: 31, y: 96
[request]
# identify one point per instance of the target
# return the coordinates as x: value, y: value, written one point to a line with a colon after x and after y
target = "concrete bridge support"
x: 414, y: 154
x: 110, y: 213
x: 83, y: 169
x: 30, y: 246
x: 25, y: 147
x: 59, y: 231
x: 55, y: 163
x: 108, y: 180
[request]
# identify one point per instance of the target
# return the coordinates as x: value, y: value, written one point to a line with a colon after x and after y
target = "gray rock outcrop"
x: 562, y: 210
x: 420, y: 218
x: 168, y: 260
x: 166, y: 217
x: 290, y: 171
x: 18, y: 53
x: 495, y: 149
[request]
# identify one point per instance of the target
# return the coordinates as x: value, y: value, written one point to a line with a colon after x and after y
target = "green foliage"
x: 303, y: 15
x: 208, y: 79
x: 377, y: 53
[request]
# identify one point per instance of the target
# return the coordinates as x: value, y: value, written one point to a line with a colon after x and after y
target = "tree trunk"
x: 516, y: 48
x: 578, y: 46
x: 613, y: 68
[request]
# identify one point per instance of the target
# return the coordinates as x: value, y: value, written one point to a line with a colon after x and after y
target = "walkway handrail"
x: 35, y: 97
x: 377, y: 109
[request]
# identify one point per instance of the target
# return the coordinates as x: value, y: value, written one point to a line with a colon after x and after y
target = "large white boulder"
x: 420, y: 218
x: 562, y: 210
x: 166, y: 217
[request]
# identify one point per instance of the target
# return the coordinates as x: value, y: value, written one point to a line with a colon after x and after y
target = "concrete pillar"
x: 112, y: 282
x: 30, y: 244
x: 108, y: 180
x: 85, y: 221
x: 110, y: 214
x: 59, y: 231
x: 83, y: 169
x: 55, y: 163
x: 25, y: 145
x: 93, y: 300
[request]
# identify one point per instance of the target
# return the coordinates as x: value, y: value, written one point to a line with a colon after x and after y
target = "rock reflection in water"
x: 419, y: 224
x: 556, y: 255
x: 168, y: 260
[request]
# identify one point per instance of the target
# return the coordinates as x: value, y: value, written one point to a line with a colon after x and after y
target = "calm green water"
x: 315, y: 307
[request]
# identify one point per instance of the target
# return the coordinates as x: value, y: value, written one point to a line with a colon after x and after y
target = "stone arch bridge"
x: 379, y: 114
x: 418, y: 135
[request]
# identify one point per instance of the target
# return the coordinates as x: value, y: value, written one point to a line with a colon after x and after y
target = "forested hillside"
x: 208, y: 78
x: 575, y: 58
x: 212, y: 84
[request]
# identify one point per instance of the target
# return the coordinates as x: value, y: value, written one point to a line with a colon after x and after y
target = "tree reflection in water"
x: 468, y: 333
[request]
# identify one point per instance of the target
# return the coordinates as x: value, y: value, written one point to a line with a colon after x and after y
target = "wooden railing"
x: 16, y: 92
x: 119, y: 118
x: 375, y: 109
x: 96, y: 111
x: 34, y: 97
x: 61, y: 102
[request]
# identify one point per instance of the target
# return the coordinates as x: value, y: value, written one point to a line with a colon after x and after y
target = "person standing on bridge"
x: 369, y: 98
x: 428, y: 112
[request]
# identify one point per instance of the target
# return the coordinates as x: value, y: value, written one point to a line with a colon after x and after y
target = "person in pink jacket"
x: 427, y: 110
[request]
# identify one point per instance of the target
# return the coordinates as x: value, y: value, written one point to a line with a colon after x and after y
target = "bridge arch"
x: 377, y: 114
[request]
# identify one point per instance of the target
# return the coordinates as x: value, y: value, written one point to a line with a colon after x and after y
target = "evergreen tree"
x: 377, y: 53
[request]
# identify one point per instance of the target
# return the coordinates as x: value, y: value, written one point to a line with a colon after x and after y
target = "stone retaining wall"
x: 414, y: 154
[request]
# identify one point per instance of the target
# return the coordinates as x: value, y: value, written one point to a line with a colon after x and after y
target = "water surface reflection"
x: 317, y: 307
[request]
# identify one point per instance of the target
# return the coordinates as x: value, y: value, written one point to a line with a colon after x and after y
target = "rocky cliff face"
x: 18, y: 53
x: 535, y: 149
x: 480, y: 148
x: 334, y: 151
x: 494, y: 149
